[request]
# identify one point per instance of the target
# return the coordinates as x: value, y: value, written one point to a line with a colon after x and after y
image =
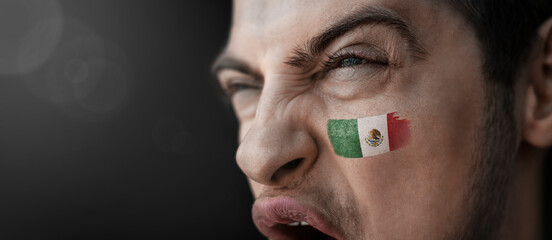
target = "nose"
x: 277, y: 149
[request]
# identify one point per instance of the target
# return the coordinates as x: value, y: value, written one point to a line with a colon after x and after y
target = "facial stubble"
x: 492, y: 158
x: 492, y: 167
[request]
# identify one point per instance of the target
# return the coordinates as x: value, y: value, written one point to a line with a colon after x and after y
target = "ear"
x: 538, y: 106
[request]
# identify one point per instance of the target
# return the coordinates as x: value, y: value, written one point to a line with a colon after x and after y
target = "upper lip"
x: 271, y: 216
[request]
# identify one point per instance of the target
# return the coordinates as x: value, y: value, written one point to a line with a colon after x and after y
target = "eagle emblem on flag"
x: 374, y: 138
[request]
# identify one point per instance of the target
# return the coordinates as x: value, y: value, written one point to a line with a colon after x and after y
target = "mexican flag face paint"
x: 370, y: 136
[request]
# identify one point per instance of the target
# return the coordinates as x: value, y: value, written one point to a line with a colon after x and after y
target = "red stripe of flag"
x: 398, y: 130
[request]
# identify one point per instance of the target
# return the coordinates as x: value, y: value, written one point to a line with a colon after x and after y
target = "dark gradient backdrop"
x: 109, y: 126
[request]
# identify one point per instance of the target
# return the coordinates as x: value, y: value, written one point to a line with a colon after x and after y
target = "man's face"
x: 290, y: 66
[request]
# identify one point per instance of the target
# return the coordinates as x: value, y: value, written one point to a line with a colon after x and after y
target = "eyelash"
x: 333, y: 61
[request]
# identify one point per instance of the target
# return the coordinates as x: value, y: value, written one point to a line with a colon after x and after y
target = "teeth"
x: 295, y: 224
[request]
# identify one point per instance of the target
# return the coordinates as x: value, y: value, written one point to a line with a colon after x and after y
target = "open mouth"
x: 297, y: 230
x: 284, y: 218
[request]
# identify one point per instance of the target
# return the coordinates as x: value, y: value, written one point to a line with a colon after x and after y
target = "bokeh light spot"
x: 30, y: 30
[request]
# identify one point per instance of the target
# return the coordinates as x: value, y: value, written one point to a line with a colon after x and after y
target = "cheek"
x: 425, y: 183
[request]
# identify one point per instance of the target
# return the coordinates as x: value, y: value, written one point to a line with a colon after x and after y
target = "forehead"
x: 259, y: 13
x: 266, y: 25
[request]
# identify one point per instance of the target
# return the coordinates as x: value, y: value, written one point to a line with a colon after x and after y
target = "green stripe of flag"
x: 344, y: 137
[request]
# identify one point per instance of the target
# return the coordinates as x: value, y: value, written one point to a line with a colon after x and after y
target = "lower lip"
x: 268, y: 213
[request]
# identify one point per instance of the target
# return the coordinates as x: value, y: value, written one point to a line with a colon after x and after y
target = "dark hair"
x: 507, y: 32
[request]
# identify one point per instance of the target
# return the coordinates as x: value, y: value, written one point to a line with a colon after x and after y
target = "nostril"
x: 293, y: 164
x: 286, y: 169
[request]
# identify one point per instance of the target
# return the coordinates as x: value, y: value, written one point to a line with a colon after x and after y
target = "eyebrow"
x: 304, y: 56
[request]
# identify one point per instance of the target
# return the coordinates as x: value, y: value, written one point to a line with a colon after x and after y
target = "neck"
x: 524, y: 206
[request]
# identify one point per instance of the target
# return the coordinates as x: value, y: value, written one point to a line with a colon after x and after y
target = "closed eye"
x: 237, y: 85
x: 351, y: 59
x: 233, y: 88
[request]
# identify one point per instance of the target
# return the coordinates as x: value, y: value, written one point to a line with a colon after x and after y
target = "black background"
x: 159, y: 165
